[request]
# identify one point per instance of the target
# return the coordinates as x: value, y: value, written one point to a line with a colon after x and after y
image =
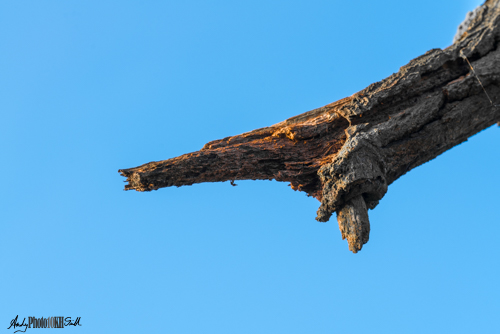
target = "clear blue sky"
x: 89, y: 87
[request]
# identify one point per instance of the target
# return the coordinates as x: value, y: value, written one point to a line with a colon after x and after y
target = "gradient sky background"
x: 89, y: 87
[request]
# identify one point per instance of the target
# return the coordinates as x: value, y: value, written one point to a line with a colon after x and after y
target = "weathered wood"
x: 347, y: 153
x: 354, y: 224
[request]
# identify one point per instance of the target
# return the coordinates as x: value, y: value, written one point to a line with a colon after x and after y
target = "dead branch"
x: 346, y: 153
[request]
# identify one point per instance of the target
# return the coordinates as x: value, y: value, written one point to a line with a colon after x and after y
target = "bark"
x: 346, y: 153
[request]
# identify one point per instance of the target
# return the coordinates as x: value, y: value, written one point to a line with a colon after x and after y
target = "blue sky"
x: 87, y: 88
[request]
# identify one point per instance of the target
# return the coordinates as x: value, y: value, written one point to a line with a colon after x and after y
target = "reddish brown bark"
x: 291, y: 151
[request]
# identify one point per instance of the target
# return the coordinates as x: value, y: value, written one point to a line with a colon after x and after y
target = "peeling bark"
x: 346, y: 153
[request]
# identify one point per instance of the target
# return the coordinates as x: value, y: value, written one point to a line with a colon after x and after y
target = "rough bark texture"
x: 346, y: 153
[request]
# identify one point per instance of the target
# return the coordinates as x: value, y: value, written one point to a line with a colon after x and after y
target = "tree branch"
x: 347, y: 153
